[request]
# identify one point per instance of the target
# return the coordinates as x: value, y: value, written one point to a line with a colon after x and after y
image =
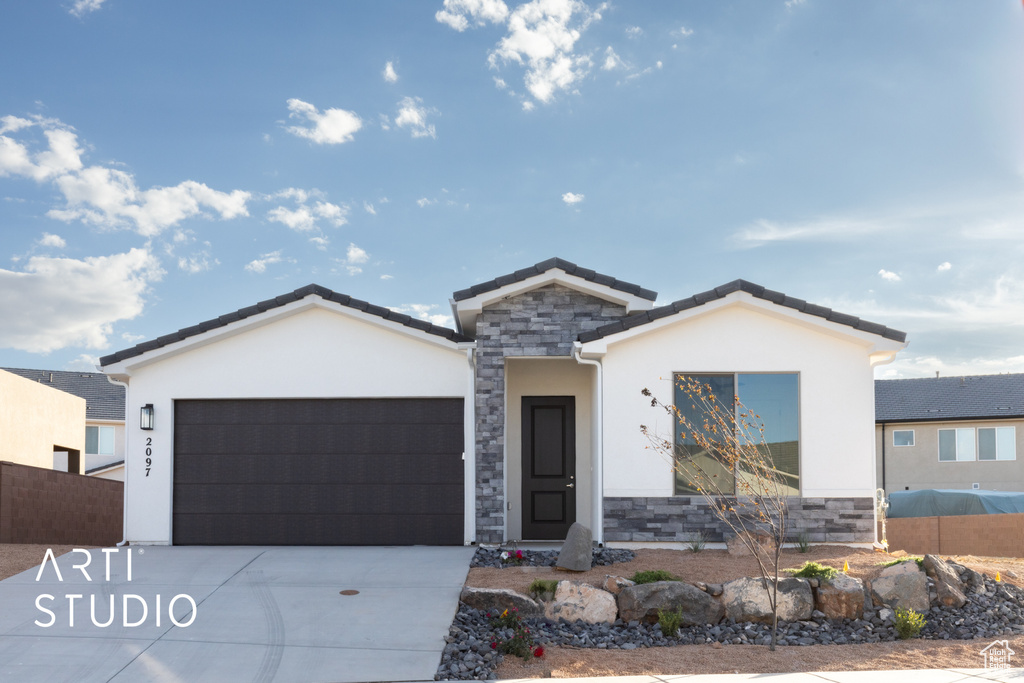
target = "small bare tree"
x: 723, y: 455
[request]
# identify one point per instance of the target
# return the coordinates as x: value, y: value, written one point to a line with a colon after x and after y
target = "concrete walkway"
x: 262, y: 614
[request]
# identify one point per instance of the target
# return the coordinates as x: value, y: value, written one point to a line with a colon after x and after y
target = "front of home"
x: 314, y: 418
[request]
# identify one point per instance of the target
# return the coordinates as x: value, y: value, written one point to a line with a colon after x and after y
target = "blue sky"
x: 162, y: 163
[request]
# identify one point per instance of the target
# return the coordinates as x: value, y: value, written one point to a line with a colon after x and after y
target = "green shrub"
x: 814, y: 570
x: 697, y: 542
x: 653, y: 575
x: 803, y: 543
x: 543, y: 587
x: 908, y: 623
x: 670, y: 621
x: 521, y: 642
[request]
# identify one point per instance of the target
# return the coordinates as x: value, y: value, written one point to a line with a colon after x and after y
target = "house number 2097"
x: 149, y: 454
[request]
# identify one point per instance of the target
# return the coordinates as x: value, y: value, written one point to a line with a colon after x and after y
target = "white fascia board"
x: 97, y: 421
x: 123, y: 369
x: 879, y: 347
x: 468, y: 309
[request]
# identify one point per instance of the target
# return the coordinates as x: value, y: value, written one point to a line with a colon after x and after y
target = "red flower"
x: 519, y: 554
x: 538, y: 651
x: 494, y: 645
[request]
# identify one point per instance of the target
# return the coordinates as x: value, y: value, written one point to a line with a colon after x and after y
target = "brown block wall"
x: 985, y: 535
x: 45, y: 506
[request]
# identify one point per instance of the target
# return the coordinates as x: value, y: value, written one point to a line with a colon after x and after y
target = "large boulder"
x: 949, y: 589
x: 578, y: 550
x: 575, y: 601
x: 747, y: 600
x: 497, y: 600
x: 642, y: 602
x: 841, y: 597
x: 614, y: 584
x: 901, y: 585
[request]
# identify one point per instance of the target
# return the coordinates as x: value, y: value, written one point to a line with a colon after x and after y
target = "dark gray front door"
x: 549, y: 466
x: 318, y: 472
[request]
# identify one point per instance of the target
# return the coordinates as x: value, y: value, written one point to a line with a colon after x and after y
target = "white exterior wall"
x: 303, y: 353
x: 547, y: 377
x: 835, y: 384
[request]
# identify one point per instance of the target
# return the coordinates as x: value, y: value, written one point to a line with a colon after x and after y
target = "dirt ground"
x: 17, y: 557
x: 717, y: 566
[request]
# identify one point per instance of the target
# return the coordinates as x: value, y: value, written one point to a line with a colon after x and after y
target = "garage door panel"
x: 328, y: 438
x: 319, y: 529
x: 382, y: 499
x: 318, y: 471
x: 318, y: 411
x: 318, y: 468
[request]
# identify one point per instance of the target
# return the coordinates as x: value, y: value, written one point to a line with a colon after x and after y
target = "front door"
x: 549, y: 466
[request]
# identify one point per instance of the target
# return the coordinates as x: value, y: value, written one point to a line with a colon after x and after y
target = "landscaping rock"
x: 641, y: 603
x: 715, y: 589
x: 747, y: 600
x: 737, y: 548
x: 614, y: 584
x: 841, y: 597
x: 575, y: 601
x: 901, y: 585
x: 578, y: 549
x: 949, y: 589
x: 496, y: 600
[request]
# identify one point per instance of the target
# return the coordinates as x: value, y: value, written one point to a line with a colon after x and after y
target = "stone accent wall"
x: 677, y: 518
x: 46, y: 506
x: 541, y: 322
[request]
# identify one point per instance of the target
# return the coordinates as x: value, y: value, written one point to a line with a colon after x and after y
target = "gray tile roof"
x: 108, y: 466
x: 754, y: 290
x: 550, y: 264
x: 282, y: 300
x: 103, y: 400
x: 949, y: 398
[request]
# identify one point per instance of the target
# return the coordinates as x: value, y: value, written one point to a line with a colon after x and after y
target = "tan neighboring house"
x: 950, y: 433
x: 103, y: 430
x: 40, y: 424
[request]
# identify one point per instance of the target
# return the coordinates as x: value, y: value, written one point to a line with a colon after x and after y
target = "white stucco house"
x: 315, y: 418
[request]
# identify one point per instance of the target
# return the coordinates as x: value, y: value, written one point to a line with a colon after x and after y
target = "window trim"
x: 904, y: 445
x: 976, y: 439
x: 1013, y: 442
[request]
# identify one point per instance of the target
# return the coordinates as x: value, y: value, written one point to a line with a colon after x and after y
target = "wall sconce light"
x: 146, y: 417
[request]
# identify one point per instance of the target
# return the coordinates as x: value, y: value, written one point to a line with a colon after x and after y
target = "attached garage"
x: 318, y: 472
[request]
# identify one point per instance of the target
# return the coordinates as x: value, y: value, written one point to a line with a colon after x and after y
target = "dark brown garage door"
x: 318, y: 472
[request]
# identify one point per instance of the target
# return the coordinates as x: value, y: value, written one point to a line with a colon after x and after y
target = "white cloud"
x: 500, y: 83
x: 683, y: 32
x: 528, y: 105
x: 389, y: 73
x: 413, y: 115
x: 790, y: 4
x: 356, y: 255
x: 658, y: 64
x: 60, y: 302
x: 458, y: 13
x: 423, y: 312
x: 424, y: 202
x: 132, y: 338
x: 320, y: 242
x: 611, y: 60
x: 765, y: 231
x: 634, y: 31
x: 197, y: 263
x: 105, y: 197
x: 259, y: 265
x: 943, y: 267
x: 387, y: 277
x: 332, y: 127
x: 306, y: 218
x: 889, y: 276
x: 82, y: 7
x: 55, y: 241
x: 927, y: 366
x: 368, y: 207
x: 571, y: 198
x: 84, y: 363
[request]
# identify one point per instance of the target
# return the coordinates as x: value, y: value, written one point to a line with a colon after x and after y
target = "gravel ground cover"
x: 994, y: 610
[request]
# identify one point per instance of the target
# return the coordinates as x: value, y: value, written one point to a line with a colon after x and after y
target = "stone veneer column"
x: 541, y: 322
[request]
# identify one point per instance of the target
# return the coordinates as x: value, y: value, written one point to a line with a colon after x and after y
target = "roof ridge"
x: 568, y: 267
x: 278, y: 301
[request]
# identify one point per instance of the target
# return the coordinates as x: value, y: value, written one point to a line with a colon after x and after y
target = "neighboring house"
x: 950, y: 433
x: 104, y: 417
x: 40, y: 425
x: 316, y: 418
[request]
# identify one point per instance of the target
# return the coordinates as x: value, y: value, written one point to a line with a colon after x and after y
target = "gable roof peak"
x: 568, y: 267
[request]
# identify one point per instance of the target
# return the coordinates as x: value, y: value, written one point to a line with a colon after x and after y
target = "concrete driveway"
x: 262, y: 614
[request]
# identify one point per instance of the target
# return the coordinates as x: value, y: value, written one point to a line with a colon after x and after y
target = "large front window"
x: 773, y: 401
